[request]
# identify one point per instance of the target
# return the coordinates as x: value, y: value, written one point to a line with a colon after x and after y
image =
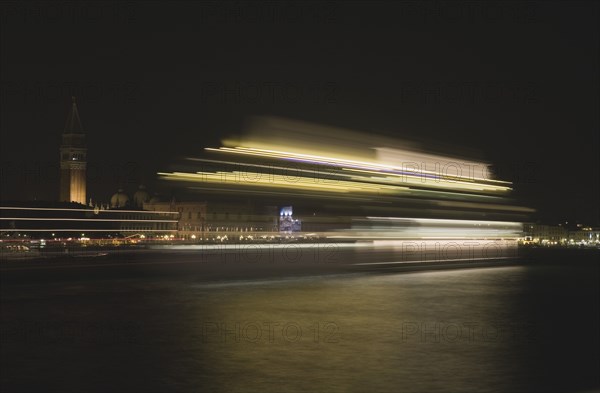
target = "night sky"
x: 515, y: 81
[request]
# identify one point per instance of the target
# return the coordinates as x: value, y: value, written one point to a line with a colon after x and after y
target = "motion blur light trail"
x: 370, y: 184
x: 420, y: 228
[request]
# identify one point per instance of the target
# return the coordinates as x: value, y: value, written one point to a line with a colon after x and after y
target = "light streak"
x: 87, y: 210
x: 78, y: 219
x: 87, y: 230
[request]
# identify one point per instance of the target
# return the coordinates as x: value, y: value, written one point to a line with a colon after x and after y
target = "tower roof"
x: 73, y: 125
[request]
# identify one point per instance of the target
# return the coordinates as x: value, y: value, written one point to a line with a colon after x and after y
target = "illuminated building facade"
x: 73, y: 160
x: 240, y: 217
x: 547, y: 233
x: 192, y: 215
x: 201, y: 219
x: 287, y: 223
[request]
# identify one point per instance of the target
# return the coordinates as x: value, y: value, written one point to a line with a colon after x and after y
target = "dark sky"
x: 517, y: 81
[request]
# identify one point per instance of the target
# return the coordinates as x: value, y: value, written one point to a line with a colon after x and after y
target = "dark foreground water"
x: 529, y: 327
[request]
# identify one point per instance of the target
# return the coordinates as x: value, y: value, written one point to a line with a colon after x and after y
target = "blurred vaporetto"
x: 356, y: 186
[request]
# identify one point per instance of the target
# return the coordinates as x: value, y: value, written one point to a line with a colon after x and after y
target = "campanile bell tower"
x: 73, y: 160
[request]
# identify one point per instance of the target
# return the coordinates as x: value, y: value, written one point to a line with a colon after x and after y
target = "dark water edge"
x: 526, y: 326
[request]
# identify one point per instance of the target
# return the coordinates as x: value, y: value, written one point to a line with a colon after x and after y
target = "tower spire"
x: 73, y: 162
x: 73, y: 125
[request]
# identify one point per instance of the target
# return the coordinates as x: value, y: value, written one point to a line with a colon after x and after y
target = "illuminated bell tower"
x: 73, y: 160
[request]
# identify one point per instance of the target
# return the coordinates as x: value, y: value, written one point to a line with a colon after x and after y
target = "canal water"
x: 529, y: 327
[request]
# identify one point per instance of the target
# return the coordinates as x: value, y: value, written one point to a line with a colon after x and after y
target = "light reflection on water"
x: 461, y: 330
x: 373, y: 339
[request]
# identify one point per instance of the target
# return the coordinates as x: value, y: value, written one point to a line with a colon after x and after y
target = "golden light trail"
x: 87, y: 210
x: 78, y: 219
x: 288, y: 161
x: 331, y: 160
x: 87, y: 230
